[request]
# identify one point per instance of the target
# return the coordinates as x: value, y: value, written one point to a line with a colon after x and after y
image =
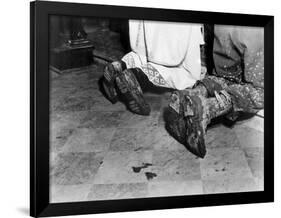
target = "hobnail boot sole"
x: 133, y: 95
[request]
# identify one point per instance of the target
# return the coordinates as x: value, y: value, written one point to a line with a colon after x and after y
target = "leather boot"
x: 131, y: 91
x: 200, y: 112
x: 196, y: 111
x: 108, y: 80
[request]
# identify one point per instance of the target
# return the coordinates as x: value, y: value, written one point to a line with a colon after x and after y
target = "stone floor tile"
x: 128, y: 139
x: 130, y: 120
x: 255, y: 122
x: 67, y: 118
x: 249, y: 137
x: 98, y: 119
x: 53, y: 157
x: 89, y: 140
x: 75, y: 168
x: 221, y: 136
x: 142, y: 139
x: 69, y: 193
x: 174, y: 188
x: 102, y: 104
x: 62, y: 126
x: 229, y: 185
x: 174, y: 166
x: 229, y: 163
x: 59, y: 138
x: 255, y: 158
x: 124, y: 167
x: 259, y: 184
x: 162, y: 140
x: 117, y: 191
x: 75, y: 103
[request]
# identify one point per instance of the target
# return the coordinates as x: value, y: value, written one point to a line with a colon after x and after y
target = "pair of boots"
x: 118, y: 81
x: 191, y: 110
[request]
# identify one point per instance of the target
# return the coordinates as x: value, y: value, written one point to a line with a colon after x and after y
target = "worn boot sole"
x: 195, y: 134
x: 109, y: 73
x: 108, y: 83
x: 110, y: 91
x: 187, y: 126
x: 132, y: 93
x: 175, y: 125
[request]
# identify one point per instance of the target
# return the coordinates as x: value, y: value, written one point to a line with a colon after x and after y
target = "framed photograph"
x: 142, y: 109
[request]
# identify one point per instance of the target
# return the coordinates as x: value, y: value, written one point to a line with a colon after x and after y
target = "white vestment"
x: 167, y: 52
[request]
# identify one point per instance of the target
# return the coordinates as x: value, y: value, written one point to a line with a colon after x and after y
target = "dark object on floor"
x: 150, y: 175
x: 69, y: 46
x: 138, y: 169
x: 70, y: 56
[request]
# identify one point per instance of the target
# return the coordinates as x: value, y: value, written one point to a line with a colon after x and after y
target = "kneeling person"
x: 236, y: 85
x: 164, y: 54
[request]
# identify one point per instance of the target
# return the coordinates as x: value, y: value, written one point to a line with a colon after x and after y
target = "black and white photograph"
x: 119, y: 108
x: 144, y: 108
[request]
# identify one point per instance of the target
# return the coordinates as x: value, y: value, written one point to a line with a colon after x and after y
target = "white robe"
x: 167, y: 52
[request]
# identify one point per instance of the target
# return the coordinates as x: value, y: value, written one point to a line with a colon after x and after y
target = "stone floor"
x: 102, y: 151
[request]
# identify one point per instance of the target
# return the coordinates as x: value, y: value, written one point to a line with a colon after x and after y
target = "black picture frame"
x: 39, y: 109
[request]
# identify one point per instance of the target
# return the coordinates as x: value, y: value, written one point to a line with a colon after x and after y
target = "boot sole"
x: 195, y: 139
x: 109, y: 73
x: 132, y: 94
x: 110, y: 92
x: 192, y: 136
x: 108, y: 84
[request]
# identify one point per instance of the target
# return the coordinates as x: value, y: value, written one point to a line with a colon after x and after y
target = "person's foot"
x: 199, y: 112
x: 196, y: 123
x: 113, y: 69
x: 132, y: 93
x: 110, y: 91
x: 108, y: 81
x: 175, y: 121
x: 189, y: 127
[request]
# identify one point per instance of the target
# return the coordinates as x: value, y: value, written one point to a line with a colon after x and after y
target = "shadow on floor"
x: 23, y: 210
